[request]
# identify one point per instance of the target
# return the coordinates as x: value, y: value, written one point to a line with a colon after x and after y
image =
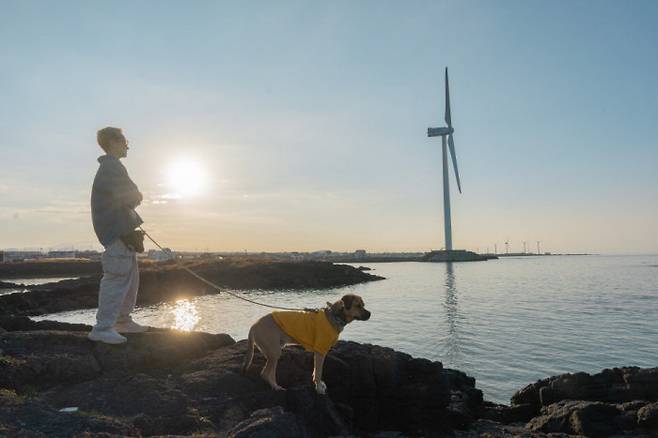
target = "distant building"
x: 16, y: 256
x: 360, y: 253
x: 90, y: 255
x: 62, y: 254
x: 157, y: 255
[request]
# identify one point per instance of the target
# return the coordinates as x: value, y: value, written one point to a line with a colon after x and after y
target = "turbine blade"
x: 454, y: 161
x: 448, y: 119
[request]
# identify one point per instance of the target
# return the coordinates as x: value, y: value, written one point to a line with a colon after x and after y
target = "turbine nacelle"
x: 437, y: 132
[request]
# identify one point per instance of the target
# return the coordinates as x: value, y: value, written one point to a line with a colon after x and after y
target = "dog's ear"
x: 348, y: 300
x: 338, y: 306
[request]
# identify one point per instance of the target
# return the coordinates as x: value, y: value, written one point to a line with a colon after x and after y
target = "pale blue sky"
x: 309, y: 121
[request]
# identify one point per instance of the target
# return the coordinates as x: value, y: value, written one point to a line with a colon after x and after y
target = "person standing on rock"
x: 114, y: 197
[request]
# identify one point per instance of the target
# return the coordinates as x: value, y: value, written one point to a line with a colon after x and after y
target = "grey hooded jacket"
x: 114, y: 197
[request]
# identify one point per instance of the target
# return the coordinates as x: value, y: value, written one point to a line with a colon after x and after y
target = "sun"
x: 186, y: 178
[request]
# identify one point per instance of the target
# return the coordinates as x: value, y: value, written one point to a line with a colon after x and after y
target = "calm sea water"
x: 505, y: 322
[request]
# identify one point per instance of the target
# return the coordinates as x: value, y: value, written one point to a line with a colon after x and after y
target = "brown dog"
x: 315, y: 331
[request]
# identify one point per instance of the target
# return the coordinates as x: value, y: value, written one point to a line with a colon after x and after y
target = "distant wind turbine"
x: 446, y: 134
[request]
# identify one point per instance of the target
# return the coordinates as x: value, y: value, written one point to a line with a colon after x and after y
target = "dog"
x: 316, y: 331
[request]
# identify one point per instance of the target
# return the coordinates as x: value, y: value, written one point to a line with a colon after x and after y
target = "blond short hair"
x: 106, y: 135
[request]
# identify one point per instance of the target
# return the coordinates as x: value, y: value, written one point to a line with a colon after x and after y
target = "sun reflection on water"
x: 186, y: 316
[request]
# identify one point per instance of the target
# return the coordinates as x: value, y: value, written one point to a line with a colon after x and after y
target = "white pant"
x: 118, y: 289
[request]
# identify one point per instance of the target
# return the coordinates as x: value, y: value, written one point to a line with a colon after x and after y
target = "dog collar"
x: 335, y: 320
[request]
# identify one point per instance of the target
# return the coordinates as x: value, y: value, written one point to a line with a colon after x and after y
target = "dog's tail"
x: 250, y: 352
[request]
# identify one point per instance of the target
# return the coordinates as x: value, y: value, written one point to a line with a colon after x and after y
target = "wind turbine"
x: 446, y: 138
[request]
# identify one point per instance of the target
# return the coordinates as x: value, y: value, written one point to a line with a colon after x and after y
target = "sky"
x: 301, y: 126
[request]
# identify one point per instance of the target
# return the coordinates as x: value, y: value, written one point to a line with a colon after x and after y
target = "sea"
x: 506, y: 322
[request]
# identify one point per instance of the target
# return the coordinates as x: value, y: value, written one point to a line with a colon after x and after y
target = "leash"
x: 213, y: 285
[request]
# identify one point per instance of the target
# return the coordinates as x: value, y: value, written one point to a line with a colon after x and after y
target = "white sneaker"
x: 108, y: 336
x: 129, y: 326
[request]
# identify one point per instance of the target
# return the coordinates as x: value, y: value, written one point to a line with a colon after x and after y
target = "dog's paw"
x: 321, y: 387
x: 278, y: 388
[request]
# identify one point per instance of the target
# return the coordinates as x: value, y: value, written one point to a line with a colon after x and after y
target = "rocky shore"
x: 166, y: 383
x: 167, y: 281
x: 56, y: 383
x: 59, y: 268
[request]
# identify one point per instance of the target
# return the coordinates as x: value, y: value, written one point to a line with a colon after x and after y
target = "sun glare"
x: 186, y: 178
x: 186, y: 316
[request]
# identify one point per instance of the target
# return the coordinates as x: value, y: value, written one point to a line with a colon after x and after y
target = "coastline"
x: 165, y: 382
x: 164, y: 281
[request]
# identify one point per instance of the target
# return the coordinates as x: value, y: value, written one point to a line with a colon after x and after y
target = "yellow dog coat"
x: 312, y: 330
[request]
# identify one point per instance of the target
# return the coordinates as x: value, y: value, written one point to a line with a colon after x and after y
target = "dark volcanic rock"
x: 321, y: 414
x: 370, y: 387
x: 23, y: 323
x: 492, y: 429
x: 49, y: 268
x: 617, y: 385
x: 157, y: 350
x: 612, y: 402
x: 75, y: 294
x: 35, y: 360
x: 508, y: 414
x: 269, y: 423
x: 42, y: 359
x: 8, y: 285
x: 165, y: 382
x: 22, y: 416
x: 578, y: 418
x: 156, y: 405
x: 647, y: 416
x: 164, y: 282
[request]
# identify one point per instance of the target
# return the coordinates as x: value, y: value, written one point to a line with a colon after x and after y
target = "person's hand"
x: 134, y: 240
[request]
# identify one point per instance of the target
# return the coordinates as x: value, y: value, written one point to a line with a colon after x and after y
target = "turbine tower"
x: 446, y: 138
